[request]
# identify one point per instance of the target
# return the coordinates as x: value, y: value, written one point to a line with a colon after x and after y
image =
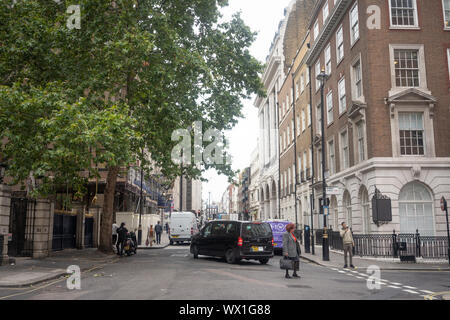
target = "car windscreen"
x: 256, y: 230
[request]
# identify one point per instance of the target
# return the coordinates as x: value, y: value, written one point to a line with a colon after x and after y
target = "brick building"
x: 387, y: 103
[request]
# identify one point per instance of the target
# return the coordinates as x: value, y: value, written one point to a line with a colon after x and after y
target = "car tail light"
x: 272, y: 242
x: 240, y: 242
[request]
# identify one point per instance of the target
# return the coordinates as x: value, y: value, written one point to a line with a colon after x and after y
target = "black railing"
x: 391, y: 245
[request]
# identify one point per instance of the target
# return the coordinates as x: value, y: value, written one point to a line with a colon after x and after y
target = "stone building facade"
x: 386, y: 103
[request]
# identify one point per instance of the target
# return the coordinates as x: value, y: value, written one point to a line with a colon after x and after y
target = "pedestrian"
x: 167, y: 227
x: 349, y: 243
x: 158, y: 231
x: 114, y: 233
x: 291, y: 250
x: 121, y: 237
x: 150, y: 236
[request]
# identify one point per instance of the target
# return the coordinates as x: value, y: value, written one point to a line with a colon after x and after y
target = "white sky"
x: 262, y: 16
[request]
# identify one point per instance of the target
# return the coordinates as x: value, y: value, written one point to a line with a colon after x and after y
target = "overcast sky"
x: 262, y: 16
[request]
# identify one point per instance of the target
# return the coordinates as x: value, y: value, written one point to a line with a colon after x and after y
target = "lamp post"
x: 140, y: 209
x: 445, y: 208
x: 322, y: 77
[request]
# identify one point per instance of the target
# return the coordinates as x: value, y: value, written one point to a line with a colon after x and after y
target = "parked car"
x: 278, y: 228
x: 182, y: 226
x: 234, y: 240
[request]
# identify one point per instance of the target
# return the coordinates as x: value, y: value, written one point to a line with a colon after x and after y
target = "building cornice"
x: 336, y: 15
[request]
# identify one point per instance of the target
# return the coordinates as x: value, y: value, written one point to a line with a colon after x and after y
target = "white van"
x: 182, y: 226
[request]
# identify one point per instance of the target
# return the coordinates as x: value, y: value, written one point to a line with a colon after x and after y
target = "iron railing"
x: 391, y: 245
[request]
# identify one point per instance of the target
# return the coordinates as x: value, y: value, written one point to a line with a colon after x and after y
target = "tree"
x: 117, y: 87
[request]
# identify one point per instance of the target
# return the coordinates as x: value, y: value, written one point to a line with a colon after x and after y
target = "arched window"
x: 347, y: 203
x: 416, y: 209
x: 365, y: 213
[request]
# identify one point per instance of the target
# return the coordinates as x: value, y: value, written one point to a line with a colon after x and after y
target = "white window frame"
x: 416, y: 20
x: 353, y: 79
x: 340, y: 31
x: 316, y: 30
x: 297, y: 92
x: 422, y: 67
x: 302, y: 82
x: 327, y: 11
x: 328, y: 59
x: 424, y: 138
x: 342, y: 108
x: 353, y: 39
x: 319, y: 119
x: 448, y: 62
x: 304, y: 168
x: 308, y: 114
x: 331, y: 160
x: 293, y: 129
x: 329, y: 102
x: 446, y: 19
x: 299, y: 128
x: 303, y: 121
x: 307, y: 76
x: 343, y: 154
x: 317, y: 69
x: 357, y: 142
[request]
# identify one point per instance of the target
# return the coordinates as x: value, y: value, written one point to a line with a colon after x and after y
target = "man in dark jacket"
x: 122, y: 235
x: 158, y: 231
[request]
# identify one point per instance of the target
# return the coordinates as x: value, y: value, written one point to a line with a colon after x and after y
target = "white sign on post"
x: 333, y: 191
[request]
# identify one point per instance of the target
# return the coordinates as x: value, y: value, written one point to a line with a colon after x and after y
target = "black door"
x: 89, y: 233
x: 204, y: 240
x: 64, y: 232
x: 17, y: 225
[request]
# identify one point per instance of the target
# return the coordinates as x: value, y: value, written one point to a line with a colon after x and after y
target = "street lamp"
x: 322, y: 77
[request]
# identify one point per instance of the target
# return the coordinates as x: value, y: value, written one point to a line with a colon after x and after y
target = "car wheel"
x: 171, y: 242
x: 195, y: 251
x: 229, y: 256
x: 264, y: 261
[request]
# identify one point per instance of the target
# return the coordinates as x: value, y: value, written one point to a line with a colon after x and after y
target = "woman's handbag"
x: 286, y: 264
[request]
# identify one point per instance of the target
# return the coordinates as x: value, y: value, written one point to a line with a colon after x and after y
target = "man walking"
x: 122, y: 234
x: 347, y: 239
x: 158, y: 231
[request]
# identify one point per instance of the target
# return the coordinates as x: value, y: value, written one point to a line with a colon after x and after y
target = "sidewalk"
x: 337, y: 261
x: 27, y: 272
x: 164, y: 243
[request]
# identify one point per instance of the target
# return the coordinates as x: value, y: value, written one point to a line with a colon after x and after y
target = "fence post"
x: 394, y: 244
x: 418, y: 253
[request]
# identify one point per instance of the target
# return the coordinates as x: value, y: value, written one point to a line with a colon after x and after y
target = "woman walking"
x: 291, y: 250
x: 150, y: 236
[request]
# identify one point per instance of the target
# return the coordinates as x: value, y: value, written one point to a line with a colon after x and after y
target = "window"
x: 330, y: 107
x: 446, y: 7
x: 331, y: 158
x: 289, y: 181
x: 361, y: 141
x: 342, y: 96
x: 448, y: 62
x: 304, y: 167
x: 354, y: 24
x: 317, y: 72
x: 340, y: 44
x: 288, y: 105
x: 357, y: 79
x: 288, y: 136
x: 319, y: 119
x: 416, y: 209
x: 406, y: 67
x: 293, y: 129
x: 308, y: 113
x: 310, y: 157
x: 303, y: 120
x: 316, y: 30
x: 325, y: 11
x: 365, y: 205
x: 300, y: 164
x: 348, y: 208
x: 328, y: 59
x: 302, y: 83
x: 285, y: 140
x: 307, y: 76
x: 345, y: 151
x: 297, y: 93
x: 411, y: 134
x: 298, y: 124
x: 403, y: 13
x: 319, y: 164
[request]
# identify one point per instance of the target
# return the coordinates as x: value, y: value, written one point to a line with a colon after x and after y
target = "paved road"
x: 172, y: 273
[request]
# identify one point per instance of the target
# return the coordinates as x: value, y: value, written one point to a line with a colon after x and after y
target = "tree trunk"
x: 107, y: 213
